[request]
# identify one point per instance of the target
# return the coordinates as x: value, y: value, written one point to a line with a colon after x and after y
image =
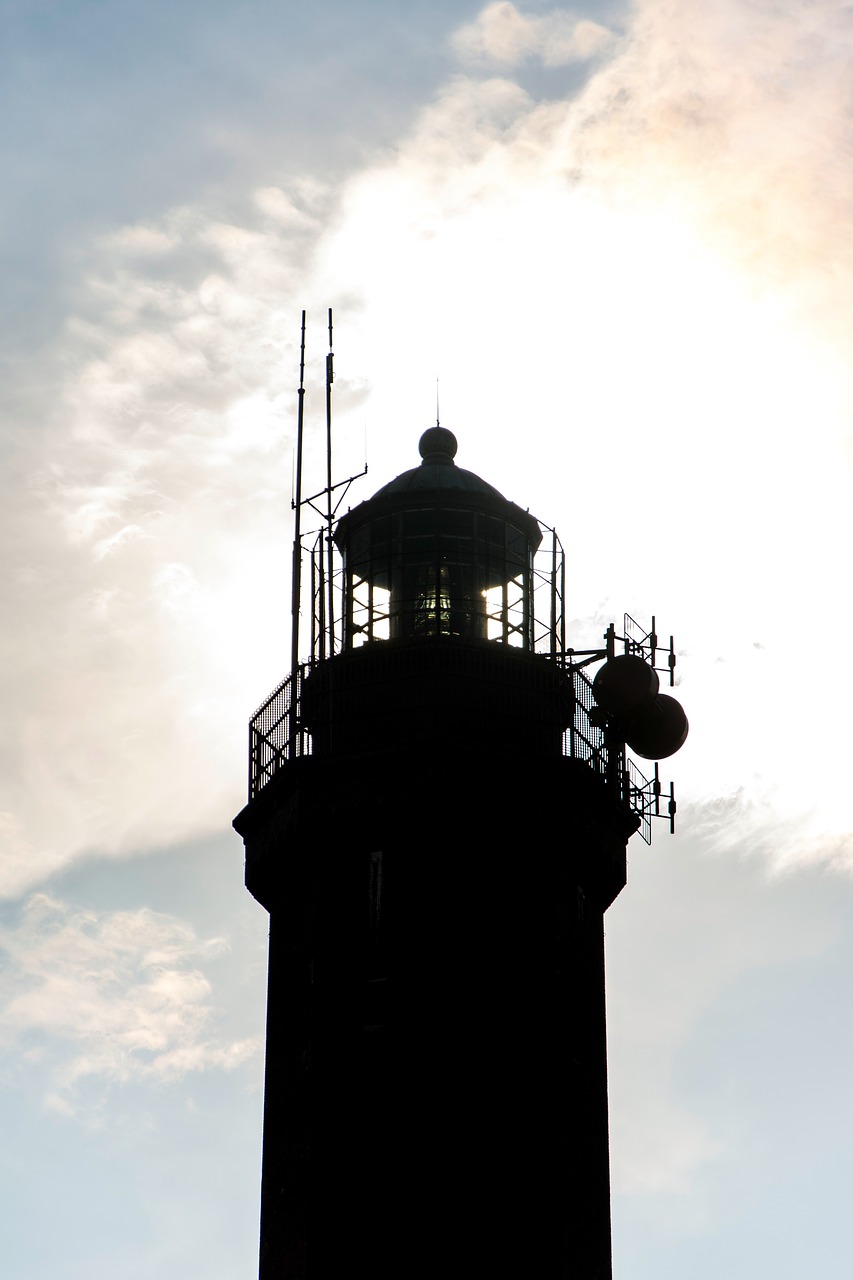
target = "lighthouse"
x: 440, y: 799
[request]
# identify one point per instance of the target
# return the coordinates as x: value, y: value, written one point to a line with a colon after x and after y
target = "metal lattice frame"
x: 531, y: 604
x: 276, y: 735
x: 276, y: 732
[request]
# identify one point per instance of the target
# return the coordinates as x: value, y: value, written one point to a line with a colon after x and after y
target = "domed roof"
x: 438, y: 471
x: 437, y: 483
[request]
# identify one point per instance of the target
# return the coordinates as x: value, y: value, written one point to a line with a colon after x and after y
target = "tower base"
x: 436, y: 1096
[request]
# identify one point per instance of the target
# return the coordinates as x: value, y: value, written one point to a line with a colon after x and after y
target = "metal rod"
x: 553, y: 594
x: 672, y: 808
x: 330, y: 377
x: 297, y: 530
x: 347, y: 605
x: 316, y: 638
x: 562, y: 600
x: 320, y: 590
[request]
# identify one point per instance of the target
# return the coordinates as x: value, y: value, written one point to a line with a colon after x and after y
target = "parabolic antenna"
x: 625, y: 684
x: 659, y: 730
x: 652, y: 723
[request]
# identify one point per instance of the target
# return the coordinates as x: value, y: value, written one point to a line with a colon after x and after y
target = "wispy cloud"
x: 109, y: 997
x: 503, y: 34
x: 638, y: 300
x: 123, y: 518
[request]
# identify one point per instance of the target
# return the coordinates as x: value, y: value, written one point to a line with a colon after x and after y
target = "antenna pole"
x: 330, y: 377
x: 297, y: 504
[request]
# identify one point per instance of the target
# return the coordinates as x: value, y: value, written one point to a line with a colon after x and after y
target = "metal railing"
x: 534, y: 602
x: 277, y: 734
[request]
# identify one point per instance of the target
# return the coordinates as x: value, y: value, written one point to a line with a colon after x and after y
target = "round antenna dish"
x: 659, y: 730
x: 625, y: 684
x: 438, y: 445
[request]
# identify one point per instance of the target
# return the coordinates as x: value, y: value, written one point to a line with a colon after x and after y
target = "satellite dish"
x: 627, y: 688
x: 659, y: 730
x: 625, y: 685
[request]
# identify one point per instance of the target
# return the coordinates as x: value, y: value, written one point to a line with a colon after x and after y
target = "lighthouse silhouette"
x: 441, y: 796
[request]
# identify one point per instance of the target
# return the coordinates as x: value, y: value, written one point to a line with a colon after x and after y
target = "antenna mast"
x: 326, y: 505
x: 297, y: 505
x: 330, y: 377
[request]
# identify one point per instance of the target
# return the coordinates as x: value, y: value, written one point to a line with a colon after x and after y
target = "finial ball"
x: 437, y: 445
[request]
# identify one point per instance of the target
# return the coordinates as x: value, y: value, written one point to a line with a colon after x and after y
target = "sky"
x: 621, y: 235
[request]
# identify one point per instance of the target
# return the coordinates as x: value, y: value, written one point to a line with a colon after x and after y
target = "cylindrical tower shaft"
x: 436, y: 871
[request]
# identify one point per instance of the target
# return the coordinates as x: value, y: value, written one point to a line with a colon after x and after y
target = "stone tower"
x: 438, y: 818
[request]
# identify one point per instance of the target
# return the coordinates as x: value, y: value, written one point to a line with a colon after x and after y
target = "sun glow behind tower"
x: 646, y: 255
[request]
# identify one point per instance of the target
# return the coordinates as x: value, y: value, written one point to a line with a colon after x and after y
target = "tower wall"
x: 436, y: 1087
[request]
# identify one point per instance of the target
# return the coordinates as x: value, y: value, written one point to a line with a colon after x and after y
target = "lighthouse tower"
x: 440, y: 802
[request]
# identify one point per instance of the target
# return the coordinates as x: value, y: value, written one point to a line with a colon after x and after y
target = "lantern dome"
x: 438, y: 471
x: 422, y: 556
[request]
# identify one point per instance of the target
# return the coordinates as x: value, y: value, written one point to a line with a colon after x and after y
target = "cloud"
x: 642, y: 297
x: 122, y: 518
x: 109, y: 997
x: 638, y: 301
x: 503, y: 34
x: 737, y: 118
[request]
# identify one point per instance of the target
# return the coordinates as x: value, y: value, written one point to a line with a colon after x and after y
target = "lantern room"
x: 438, y: 552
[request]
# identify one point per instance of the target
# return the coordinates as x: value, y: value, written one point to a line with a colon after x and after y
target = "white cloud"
x: 110, y: 997
x: 131, y: 655
x: 503, y: 34
x: 638, y: 303
x: 143, y: 240
x: 642, y: 297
